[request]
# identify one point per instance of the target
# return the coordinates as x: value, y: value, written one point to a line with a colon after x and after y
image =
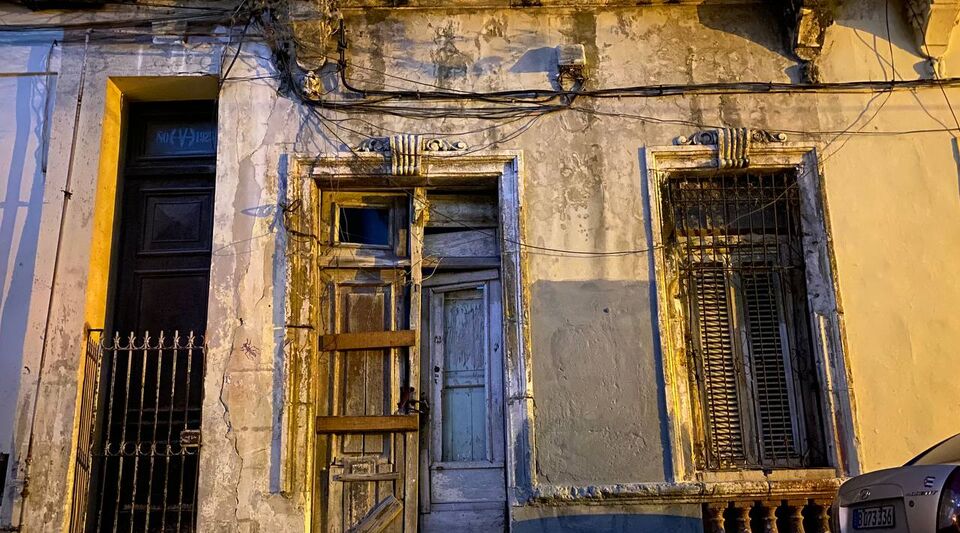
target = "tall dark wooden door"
x: 164, y: 269
x: 151, y: 358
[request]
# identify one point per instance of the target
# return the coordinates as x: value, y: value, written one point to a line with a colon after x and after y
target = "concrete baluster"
x: 823, y: 516
x: 770, y: 517
x: 796, y: 516
x: 714, y: 517
x: 741, y: 516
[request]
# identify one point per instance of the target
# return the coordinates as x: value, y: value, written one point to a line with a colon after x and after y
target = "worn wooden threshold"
x: 367, y: 424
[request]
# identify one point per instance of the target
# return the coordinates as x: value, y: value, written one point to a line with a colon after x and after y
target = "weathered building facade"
x: 546, y: 266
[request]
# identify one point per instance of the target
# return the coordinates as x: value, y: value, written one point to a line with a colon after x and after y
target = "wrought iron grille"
x: 735, y: 239
x: 137, y: 458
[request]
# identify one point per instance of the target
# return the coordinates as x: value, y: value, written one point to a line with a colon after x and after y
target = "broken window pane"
x: 364, y: 225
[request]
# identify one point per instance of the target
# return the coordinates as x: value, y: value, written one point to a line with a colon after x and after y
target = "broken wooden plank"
x: 367, y: 424
x: 368, y: 340
x: 460, y: 263
x: 380, y: 517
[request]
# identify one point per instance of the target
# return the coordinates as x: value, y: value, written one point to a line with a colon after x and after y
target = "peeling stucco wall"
x: 894, y: 206
x: 27, y: 95
x: 242, y: 386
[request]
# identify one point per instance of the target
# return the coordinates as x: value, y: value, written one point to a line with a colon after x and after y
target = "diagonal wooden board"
x: 380, y: 517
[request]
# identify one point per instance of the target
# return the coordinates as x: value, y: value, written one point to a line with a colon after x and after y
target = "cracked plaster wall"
x: 894, y: 205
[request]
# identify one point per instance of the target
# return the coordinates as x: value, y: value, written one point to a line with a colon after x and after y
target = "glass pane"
x: 364, y: 225
x: 464, y: 377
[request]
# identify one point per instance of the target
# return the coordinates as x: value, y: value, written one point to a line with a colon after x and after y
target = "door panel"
x: 464, y: 391
x: 365, y: 478
x: 164, y: 269
x: 465, y: 454
x: 457, y: 484
x: 168, y: 300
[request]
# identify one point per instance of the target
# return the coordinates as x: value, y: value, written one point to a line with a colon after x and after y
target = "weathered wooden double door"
x: 410, y: 406
x: 368, y: 428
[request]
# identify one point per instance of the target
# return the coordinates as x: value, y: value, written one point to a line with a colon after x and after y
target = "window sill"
x: 741, y: 476
x: 822, y: 484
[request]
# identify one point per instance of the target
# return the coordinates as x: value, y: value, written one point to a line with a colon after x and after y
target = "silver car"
x: 923, y: 496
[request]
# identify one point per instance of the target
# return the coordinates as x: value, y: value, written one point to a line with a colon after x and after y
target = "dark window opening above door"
x: 364, y: 225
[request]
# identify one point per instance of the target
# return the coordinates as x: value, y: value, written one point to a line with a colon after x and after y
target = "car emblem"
x: 864, y: 494
x: 928, y: 482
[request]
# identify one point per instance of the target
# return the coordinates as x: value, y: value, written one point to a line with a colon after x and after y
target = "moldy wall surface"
x: 599, y: 418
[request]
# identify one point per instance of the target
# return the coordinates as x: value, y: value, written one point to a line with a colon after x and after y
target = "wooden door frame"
x: 374, y: 167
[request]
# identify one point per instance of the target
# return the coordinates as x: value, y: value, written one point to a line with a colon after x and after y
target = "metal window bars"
x: 735, y: 241
x: 139, y: 439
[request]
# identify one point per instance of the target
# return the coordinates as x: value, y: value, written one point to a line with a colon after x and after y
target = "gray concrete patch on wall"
x: 597, y: 417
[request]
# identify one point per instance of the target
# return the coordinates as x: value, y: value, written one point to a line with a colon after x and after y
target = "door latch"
x: 409, y: 404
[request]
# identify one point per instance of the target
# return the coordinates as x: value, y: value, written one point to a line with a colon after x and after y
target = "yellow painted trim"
x: 98, y: 272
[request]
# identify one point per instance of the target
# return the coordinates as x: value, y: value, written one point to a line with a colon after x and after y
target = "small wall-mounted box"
x: 571, y: 61
x: 571, y: 55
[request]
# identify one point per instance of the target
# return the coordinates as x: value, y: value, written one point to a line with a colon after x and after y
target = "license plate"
x: 873, y: 517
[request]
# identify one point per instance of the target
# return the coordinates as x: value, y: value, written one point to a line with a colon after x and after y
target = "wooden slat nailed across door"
x: 367, y: 424
x: 368, y: 340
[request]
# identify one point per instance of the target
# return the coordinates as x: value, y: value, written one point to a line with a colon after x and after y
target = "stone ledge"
x: 657, y: 493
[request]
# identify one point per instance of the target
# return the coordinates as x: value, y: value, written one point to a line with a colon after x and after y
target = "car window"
x: 947, y: 451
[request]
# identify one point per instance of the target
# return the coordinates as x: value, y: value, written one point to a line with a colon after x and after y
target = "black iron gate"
x: 138, y: 449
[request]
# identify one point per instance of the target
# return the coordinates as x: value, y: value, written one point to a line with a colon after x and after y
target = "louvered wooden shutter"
x: 766, y: 335
x: 719, y: 367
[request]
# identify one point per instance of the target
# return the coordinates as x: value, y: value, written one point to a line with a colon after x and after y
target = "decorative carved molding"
x: 733, y: 144
x: 374, y: 144
x: 405, y: 154
x: 406, y: 151
x: 933, y: 23
x: 441, y: 145
x: 807, y: 22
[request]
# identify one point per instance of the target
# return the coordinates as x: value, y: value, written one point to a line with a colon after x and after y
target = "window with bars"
x: 736, y: 242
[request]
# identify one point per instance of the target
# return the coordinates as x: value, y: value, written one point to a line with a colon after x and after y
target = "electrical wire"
x: 511, y: 106
x: 114, y: 24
